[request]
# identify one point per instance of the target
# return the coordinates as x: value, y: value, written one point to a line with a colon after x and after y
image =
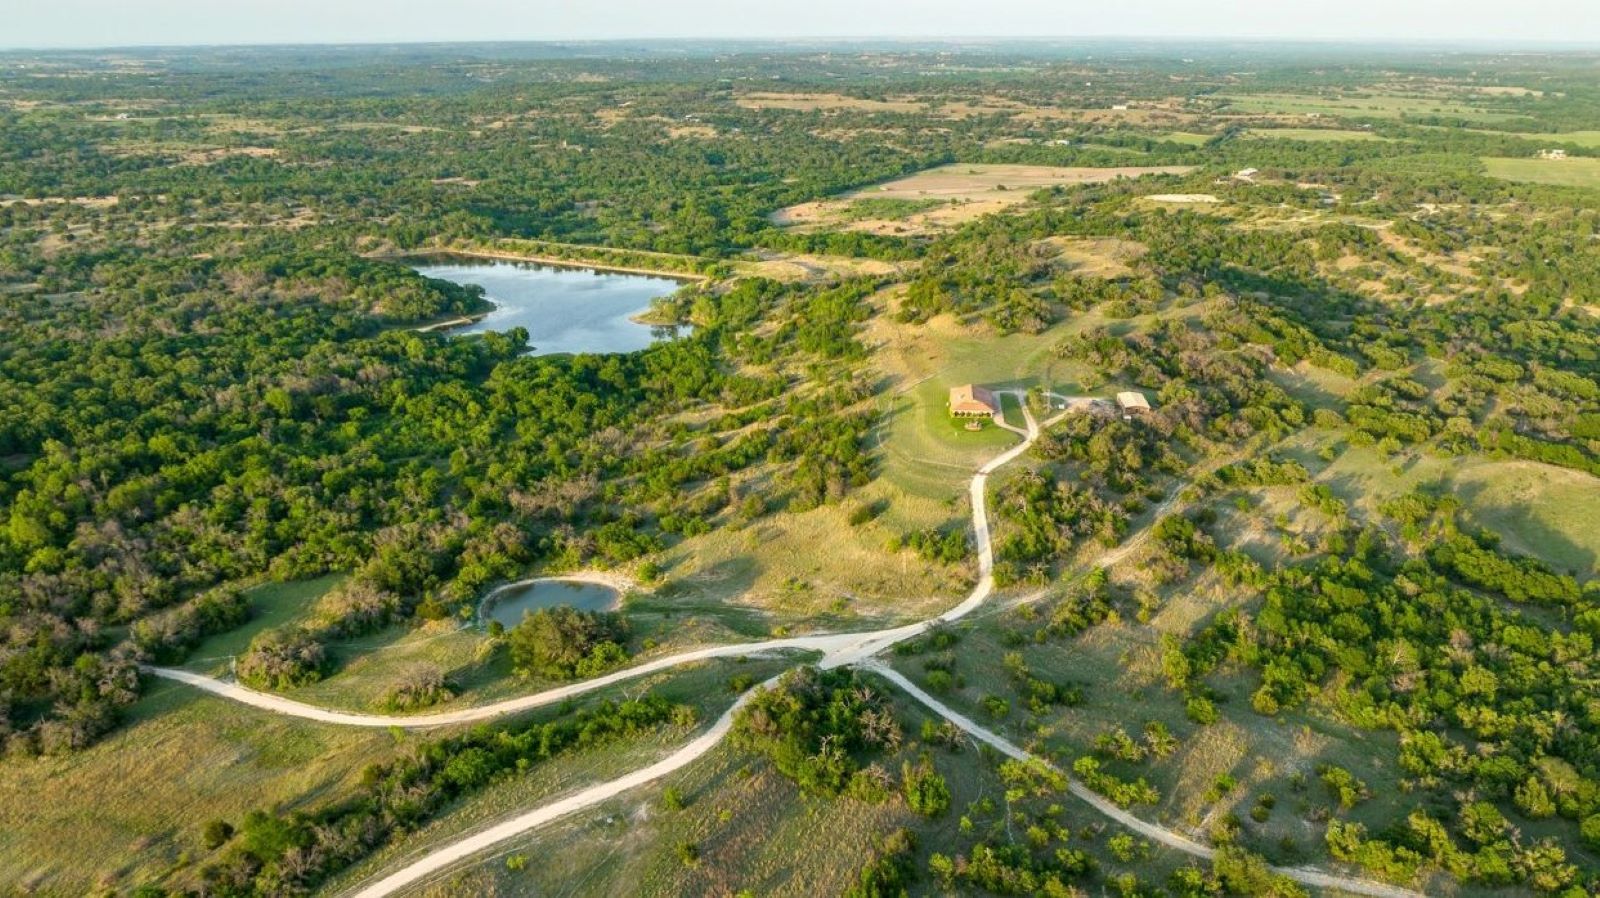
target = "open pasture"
x: 949, y: 195
x: 1572, y: 172
x: 1361, y: 106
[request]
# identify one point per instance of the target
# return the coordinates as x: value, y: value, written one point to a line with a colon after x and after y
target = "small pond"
x: 565, y: 310
x: 510, y: 604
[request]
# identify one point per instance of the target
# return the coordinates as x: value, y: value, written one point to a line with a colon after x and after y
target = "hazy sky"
x: 58, y: 23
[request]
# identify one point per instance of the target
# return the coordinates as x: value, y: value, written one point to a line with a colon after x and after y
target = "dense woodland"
x: 211, y: 377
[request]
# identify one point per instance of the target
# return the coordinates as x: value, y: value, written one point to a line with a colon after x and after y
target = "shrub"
x: 563, y: 643
x: 215, y: 833
x: 419, y: 686
x: 813, y: 724
x: 890, y: 871
x: 926, y: 791
x: 283, y: 659
x: 672, y: 798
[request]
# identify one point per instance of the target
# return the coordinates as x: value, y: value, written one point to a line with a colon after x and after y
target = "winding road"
x: 837, y: 650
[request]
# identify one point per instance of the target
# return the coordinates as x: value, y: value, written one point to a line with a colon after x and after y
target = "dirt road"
x: 444, y: 858
x: 838, y: 650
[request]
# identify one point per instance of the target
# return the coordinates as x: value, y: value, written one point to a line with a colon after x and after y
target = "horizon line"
x: 1351, y: 42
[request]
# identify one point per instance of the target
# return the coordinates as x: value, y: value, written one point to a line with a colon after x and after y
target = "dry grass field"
x: 1538, y: 510
x: 795, y: 267
x: 1100, y: 257
x: 949, y: 195
x: 1581, y: 171
x: 704, y: 686
x: 1362, y: 105
x: 756, y: 834
x: 1182, y: 199
x: 131, y: 806
x: 812, y: 102
x: 1311, y: 134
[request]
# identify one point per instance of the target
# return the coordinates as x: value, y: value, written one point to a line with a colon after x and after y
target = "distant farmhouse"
x: 1132, y: 402
x: 973, y: 401
x: 1552, y: 154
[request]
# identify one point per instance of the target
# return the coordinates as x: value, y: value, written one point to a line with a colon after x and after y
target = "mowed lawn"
x: 930, y: 455
x: 1573, y: 172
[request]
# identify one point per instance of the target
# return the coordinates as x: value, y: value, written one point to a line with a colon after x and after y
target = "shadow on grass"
x: 1558, y: 549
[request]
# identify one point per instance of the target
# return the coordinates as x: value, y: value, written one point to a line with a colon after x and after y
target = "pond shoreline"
x: 622, y: 583
x: 567, y: 309
x: 552, y: 261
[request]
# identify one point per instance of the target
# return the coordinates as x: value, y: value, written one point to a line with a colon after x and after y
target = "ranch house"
x: 972, y: 401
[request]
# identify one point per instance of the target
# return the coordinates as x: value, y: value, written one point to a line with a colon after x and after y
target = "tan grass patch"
x: 1102, y: 257
x: 966, y: 190
x: 1182, y: 198
x: 812, y: 102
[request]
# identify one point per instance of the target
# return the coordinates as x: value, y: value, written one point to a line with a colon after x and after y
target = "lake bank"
x: 565, y: 309
x: 584, y: 590
x: 406, y: 258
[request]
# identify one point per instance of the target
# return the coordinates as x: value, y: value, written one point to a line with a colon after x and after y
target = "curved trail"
x: 838, y: 650
x: 436, y: 861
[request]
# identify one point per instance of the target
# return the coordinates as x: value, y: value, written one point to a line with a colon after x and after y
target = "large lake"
x: 563, y: 309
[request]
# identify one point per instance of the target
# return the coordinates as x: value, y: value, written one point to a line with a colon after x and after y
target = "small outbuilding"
x: 973, y: 401
x: 1132, y: 402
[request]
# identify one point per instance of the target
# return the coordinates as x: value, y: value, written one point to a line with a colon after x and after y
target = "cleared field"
x: 747, y: 822
x: 792, y: 267
x: 812, y: 102
x: 271, y: 605
x: 1539, y: 510
x: 927, y: 454
x: 1104, y: 257
x: 809, y: 571
x: 1311, y: 134
x: 949, y: 195
x: 1580, y: 138
x: 1188, y: 138
x: 1574, y: 172
x: 131, y: 806
x: 1369, y: 106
